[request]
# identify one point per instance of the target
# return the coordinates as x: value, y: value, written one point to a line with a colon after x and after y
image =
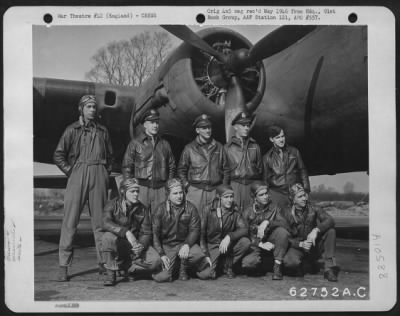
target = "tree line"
x: 129, y: 62
x: 323, y: 193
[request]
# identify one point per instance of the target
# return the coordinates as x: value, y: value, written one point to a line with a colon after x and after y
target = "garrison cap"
x: 151, y: 115
x: 243, y: 118
x: 202, y: 121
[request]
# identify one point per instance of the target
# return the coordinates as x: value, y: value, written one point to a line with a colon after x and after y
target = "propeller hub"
x: 238, y: 60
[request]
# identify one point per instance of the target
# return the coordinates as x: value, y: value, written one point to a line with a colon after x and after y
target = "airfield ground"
x: 87, y: 285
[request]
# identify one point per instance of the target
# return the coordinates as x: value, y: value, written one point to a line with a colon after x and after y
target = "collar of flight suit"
x: 78, y: 125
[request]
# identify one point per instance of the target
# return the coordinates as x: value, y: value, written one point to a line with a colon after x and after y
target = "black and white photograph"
x: 174, y: 162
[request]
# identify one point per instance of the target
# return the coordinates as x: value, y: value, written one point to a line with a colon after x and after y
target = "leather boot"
x: 183, y: 276
x: 229, y: 268
x: 277, y: 272
x: 332, y: 274
x: 163, y: 276
x: 109, y: 278
x: 62, y: 274
x: 102, y: 269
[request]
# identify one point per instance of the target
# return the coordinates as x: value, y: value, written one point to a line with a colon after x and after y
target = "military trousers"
x: 118, y: 255
x: 242, y: 195
x: 235, y: 253
x: 257, y: 256
x: 325, y: 247
x: 200, y: 198
x: 86, y: 183
x: 151, y: 197
x: 194, y: 262
x: 278, y: 198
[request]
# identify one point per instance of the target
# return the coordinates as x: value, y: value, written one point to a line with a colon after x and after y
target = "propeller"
x: 236, y: 61
x: 234, y: 103
x: 190, y: 37
x: 278, y: 40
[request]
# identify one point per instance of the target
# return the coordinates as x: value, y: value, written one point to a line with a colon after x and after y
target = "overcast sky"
x: 64, y: 52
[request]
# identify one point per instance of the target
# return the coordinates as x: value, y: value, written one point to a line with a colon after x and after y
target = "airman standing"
x: 203, y: 165
x: 244, y: 159
x: 283, y: 167
x: 150, y: 160
x: 84, y: 154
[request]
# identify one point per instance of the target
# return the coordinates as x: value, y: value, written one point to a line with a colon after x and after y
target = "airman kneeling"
x: 127, y: 238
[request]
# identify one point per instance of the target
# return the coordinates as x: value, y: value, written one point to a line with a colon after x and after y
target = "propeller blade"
x: 278, y: 40
x: 234, y: 103
x: 190, y: 37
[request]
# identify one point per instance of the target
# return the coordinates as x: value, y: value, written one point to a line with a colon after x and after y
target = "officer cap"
x: 243, y: 118
x: 202, y: 121
x: 151, y: 115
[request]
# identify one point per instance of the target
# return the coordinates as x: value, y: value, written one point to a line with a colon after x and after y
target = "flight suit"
x: 84, y: 154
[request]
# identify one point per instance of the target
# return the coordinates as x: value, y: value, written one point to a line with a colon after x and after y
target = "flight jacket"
x: 244, y: 160
x: 203, y: 164
x: 299, y: 228
x: 212, y: 232
x: 255, y: 215
x: 184, y: 228
x: 136, y: 219
x: 280, y: 173
x: 68, y: 148
x: 151, y: 164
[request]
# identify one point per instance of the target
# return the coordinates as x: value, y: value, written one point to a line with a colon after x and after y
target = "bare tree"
x: 130, y: 62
